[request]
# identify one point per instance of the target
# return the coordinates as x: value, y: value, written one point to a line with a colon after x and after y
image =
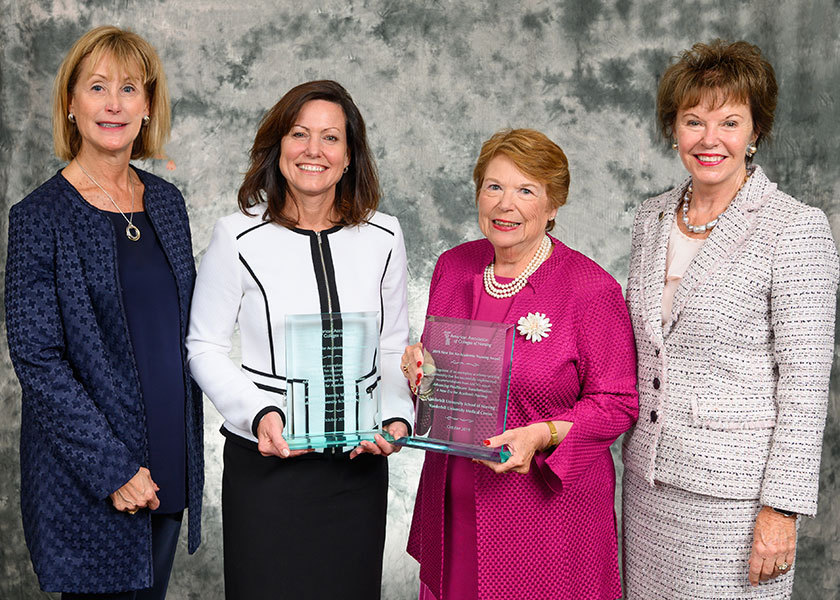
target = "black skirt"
x: 310, y: 527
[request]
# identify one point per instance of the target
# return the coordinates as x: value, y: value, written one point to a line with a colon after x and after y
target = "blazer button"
x: 661, y: 215
x: 653, y: 416
x: 656, y: 383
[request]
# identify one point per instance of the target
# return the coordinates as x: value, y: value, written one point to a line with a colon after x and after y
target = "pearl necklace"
x: 506, y: 290
x: 708, y: 226
x: 132, y: 232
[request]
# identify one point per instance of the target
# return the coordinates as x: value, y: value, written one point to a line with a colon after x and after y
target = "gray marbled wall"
x: 433, y: 80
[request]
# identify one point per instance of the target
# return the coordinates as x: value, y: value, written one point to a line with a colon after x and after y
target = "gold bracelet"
x: 555, y: 439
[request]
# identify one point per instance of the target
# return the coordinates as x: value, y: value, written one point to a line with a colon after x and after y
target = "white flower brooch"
x: 534, y: 327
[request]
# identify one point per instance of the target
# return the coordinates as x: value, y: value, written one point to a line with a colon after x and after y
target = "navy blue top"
x: 150, y: 299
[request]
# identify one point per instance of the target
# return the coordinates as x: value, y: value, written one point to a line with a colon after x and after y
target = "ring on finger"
x: 784, y: 566
x: 405, y: 369
x: 132, y: 511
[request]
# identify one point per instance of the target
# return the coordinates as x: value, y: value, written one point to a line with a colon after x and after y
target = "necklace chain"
x: 710, y: 225
x: 506, y: 290
x: 132, y: 232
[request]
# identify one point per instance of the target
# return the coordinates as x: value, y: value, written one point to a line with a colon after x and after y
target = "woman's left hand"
x: 138, y: 492
x: 523, y: 443
x: 397, y: 429
x: 774, y: 544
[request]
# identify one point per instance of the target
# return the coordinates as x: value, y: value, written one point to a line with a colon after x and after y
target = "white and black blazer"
x: 254, y: 273
x: 733, y: 390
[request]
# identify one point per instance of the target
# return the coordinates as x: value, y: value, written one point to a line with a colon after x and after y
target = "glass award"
x: 463, y: 397
x: 332, y: 379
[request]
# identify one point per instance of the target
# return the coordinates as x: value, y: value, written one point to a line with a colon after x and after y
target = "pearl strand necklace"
x: 708, y: 226
x: 506, y: 290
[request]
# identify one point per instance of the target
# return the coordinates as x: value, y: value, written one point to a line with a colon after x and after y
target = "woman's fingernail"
x: 486, y: 442
x: 419, y: 363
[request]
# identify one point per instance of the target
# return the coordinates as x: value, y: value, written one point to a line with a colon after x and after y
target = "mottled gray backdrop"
x: 433, y: 79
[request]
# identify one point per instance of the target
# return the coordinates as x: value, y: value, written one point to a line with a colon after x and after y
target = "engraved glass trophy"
x: 463, y: 397
x: 332, y: 379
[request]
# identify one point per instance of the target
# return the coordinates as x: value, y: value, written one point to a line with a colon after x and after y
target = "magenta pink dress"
x: 460, y: 559
x: 550, y: 533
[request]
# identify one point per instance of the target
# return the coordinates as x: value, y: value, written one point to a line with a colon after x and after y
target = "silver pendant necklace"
x: 132, y: 232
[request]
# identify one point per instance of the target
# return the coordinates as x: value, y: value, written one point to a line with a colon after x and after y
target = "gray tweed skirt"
x: 681, y: 545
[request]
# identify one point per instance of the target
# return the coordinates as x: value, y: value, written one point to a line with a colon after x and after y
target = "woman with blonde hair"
x: 99, y: 280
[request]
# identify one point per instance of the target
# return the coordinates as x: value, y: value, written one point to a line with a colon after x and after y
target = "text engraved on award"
x: 465, y: 399
x: 332, y: 370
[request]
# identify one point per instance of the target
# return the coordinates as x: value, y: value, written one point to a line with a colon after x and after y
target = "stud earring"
x: 146, y: 120
x: 71, y: 117
x: 752, y: 149
x: 347, y: 168
x: 674, y: 145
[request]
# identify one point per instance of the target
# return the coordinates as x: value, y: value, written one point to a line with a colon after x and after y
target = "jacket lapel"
x: 654, y: 254
x: 164, y: 217
x: 477, y: 289
x: 733, y: 228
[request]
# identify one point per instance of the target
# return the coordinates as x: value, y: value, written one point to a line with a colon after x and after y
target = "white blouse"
x: 681, y: 251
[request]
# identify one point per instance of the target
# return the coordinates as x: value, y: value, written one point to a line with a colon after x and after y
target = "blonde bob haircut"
x: 714, y: 74
x: 134, y: 55
x: 533, y: 154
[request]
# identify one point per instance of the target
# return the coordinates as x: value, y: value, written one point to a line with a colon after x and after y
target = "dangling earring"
x: 71, y: 117
x: 674, y: 145
x: 146, y: 120
x: 752, y: 149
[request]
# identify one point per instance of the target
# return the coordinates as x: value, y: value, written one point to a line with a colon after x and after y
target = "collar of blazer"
x: 733, y: 228
x: 171, y: 226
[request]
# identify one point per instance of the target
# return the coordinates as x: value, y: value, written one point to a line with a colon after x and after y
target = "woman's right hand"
x: 138, y: 492
x: 411, y: 364
x: 270, y: 438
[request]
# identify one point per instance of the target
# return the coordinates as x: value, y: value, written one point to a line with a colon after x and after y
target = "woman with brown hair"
x: 307, y: 239
x: 99, y: 279
x: 732, y: 295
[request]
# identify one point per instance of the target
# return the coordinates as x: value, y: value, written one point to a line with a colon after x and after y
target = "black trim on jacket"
x: 267, y: 312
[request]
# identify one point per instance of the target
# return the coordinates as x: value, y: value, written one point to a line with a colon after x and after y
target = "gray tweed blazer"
x: 733, y: 390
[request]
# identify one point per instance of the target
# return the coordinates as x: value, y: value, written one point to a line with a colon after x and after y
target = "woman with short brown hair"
x: 732, y: 295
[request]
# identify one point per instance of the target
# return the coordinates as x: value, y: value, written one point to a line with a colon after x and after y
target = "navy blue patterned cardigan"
x: 83, y: 427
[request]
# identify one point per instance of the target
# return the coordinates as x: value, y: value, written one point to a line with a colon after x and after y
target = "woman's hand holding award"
x: 462, y: 396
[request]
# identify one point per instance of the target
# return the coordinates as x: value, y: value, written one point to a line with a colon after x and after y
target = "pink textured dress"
x: 460, y: 579
x: 550, y: 533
